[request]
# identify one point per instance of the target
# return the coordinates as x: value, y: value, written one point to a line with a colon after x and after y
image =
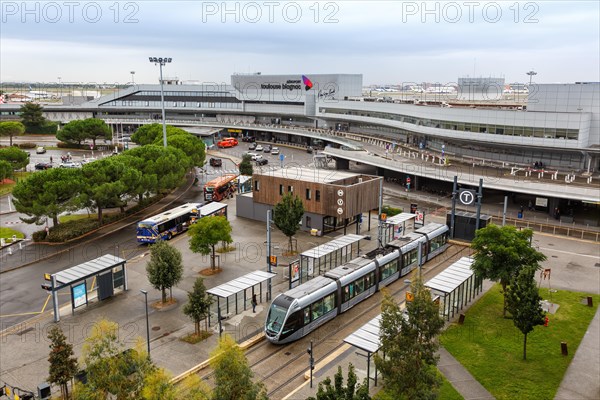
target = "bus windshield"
x: 145, y: 225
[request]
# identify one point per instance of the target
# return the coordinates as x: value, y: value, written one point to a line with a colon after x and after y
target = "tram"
x: 301, y: 310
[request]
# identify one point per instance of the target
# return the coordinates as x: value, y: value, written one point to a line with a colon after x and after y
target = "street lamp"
x: 59, y: 88
x: 132, y: 80
x: 162, y: 61
x: 531, y: 75
x: 145, y: 292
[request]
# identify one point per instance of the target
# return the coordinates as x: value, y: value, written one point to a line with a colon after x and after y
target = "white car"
x: 259, y: 148
x: 275, y: 150
x: 70, y: 164
x: 257, y: 157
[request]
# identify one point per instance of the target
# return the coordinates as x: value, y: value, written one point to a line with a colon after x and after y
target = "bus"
x: 220, y: 188
x: 168, y: 224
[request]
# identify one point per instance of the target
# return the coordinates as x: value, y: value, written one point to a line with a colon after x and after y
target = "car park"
x: 40, y: 150
x: 43, y: 166
x: 259, y: 147
x: 262, y: 161
x: 216, y: 162
x: 275, y: 150
x: 267, y: 148
x: 252, y: 146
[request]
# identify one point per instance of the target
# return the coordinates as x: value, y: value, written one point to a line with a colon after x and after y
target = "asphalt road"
x: 21, y: 296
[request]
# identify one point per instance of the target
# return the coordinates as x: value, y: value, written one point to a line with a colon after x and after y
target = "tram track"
x: 278, y: 366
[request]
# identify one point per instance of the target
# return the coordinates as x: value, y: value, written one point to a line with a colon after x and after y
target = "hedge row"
x: 27, y: 145
x: 49, y: 129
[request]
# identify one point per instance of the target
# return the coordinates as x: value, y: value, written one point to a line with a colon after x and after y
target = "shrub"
x: 49, y: 129
x: 27, y: 145
x: 39, y: 236
x: 70, y: 230
x: 391, y: 211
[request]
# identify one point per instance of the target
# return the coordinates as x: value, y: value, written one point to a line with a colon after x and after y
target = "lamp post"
x: 531, y: 75
x: 132, y: 80
x: 145, y: 292
x: 59, y: 88
x: 162, y: 61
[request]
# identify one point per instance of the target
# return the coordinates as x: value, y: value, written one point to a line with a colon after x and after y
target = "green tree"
x: 207, y: 233
x: 10, y: 129
x: 287, y: 215
x: 198, y: 305
x: 501, y: 252
x: 523, y: 303
x: 246, y: 165
x: 108, y: 183
x: 192, y: 146
x: 341, y: 392
x: 193, y: 388
x: 147, y: 134
x: 110, y: 369
x: 72, y: 132
x: 165, y: 267
x: 409, y: 344
x: 15, y: 156
x: 63, y: 364
x: 233, y: 376
x: 49, y: 193
x: 32, y: 116
x: 158, y: 386
x: 94, y: 128
x: 6, y: 170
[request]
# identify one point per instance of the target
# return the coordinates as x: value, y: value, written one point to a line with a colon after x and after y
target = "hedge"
x: 27, y: 145
x: 49, y: 128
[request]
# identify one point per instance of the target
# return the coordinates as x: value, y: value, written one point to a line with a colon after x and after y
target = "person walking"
x: 254, y: 303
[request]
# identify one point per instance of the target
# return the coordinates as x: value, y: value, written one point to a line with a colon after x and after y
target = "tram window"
x: 360, y: 286
x: 328, y: 303
x: 293, y: 322
x: 306, y: 315
x: 317, y: 309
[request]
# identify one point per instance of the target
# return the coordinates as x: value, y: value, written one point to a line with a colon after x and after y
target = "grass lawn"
x: 8, y: 187
x: 75, y: 217
x: 491, y: 347
x: 8, y: 233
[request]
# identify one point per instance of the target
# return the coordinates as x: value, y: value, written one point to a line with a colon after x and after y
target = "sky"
x: 389, y: 42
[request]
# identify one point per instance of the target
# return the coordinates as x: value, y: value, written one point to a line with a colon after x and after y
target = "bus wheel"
x: 169, y: 236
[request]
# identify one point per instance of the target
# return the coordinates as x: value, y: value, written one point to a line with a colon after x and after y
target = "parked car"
x: 267, y: 148
x: 252, y: 146
x: 262, y: 161
x: 259, y: 147
x: 248, y: 139
x: 40, y: 150
x: 70, y: 164
x: 43, y: 166
x: 309, y: 149
x: 216, y: 162
x: 275, y: 150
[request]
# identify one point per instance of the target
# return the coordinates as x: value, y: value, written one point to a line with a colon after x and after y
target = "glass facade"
x: 461, y: 126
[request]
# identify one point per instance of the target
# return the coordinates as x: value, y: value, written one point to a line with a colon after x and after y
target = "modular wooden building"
x: 332, y: 199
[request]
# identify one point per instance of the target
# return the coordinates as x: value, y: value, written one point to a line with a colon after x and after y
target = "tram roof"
x: 309, y: 287
x: 349, y: 267
x: 452, y: 277
x: 240, y: 284
x: 334, y: 245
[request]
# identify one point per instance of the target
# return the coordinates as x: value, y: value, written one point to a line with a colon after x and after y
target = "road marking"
x: 568, y: 252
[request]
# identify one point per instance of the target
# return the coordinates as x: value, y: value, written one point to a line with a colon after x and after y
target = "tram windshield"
x: 277, y: 313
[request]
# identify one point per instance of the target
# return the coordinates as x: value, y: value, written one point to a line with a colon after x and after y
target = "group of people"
x: 538, y: 165
x: 64, y: 158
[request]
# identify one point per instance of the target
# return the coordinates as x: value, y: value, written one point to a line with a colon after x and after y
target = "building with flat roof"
x: 332, y: 199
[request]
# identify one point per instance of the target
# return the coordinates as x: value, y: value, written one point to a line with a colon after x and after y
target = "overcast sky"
x: 389, y: 42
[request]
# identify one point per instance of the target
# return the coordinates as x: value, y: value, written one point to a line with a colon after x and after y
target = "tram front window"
x: 276, y: 316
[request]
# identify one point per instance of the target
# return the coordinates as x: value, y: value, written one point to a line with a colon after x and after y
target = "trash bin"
x: 313, y: 232
x: 520, y: 215
x: 44, y: 391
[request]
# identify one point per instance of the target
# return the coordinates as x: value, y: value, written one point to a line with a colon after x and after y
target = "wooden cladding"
x: 344, y: 199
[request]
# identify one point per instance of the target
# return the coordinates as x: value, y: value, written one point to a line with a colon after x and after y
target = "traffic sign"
x: 467, y: 197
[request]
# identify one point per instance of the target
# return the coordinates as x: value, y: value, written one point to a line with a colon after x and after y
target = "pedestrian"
x: 530, y: 206
x: 50, y: 159
x: 254, y: 303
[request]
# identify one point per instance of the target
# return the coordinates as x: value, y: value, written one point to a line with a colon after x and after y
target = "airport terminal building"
x: 559, y: 127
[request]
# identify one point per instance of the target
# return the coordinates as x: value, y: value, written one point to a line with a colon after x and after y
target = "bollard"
x: 461, y: 319
x: 10, y: 251
x: 563, y: 348
x: 590, y: 301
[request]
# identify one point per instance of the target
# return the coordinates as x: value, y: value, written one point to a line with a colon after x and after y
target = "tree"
x: 147, y: 134
x: 246, y: 165
x: 11, y: 128
x: 339, y: 392
x: 409, y: 344
x: 32, y: 116
x: 63, y: 364
x: 207, y: 233
x: 501, y: 252
x: 233, y: 376
x: 165, y: 268
x: 523, y: 303
x: 94, y: 128
x: 15, y: 156
x: 110, y: 368
x: 72, y: 132
x: 198, y: 306
x: 108, y: 182
x: 192, y: 146
x: 287, y: 215
x: 6, y: 170
x: 158, y: 386
x: 49, y: 193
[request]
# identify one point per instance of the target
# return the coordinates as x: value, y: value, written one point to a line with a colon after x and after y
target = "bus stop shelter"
x: 320, y: 259
x: 457, y: 285
x: 395, y: 227
x: 108, y: 270
x: 367, y: 339
x: 239, y: 286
